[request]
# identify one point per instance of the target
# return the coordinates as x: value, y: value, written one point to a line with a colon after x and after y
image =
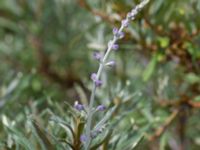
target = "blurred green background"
x: 46, y: 51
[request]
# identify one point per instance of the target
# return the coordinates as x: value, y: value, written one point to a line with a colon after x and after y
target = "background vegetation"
x: 46, y: 59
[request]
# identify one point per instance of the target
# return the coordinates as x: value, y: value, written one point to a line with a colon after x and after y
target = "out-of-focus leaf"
x: 80, y: 127
x: 5, y: 23
x: 194, y: 51
x: 104, y: 119
x: 163, y: 141
x: 163, y: 41
x: 63, y: 124
x: 43, y: 136
x: 82, y: 94
x: 192, y: 78
x: 19, y: 138
x: 129, y: 142
x: 11, y: 6
x: 148, y: 72
x: 103, y: 141
x: 197, y: 98
x: 156, y: 6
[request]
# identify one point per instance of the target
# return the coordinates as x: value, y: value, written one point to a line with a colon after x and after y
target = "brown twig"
x: 181, y: 126
x: 66, y: 81
x: 194, y: 104
x: 162, y: 129
x: 167, y: 103
x: 157, y: 29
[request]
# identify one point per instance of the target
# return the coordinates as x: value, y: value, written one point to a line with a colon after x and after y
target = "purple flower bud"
x: 125, y: 22
x: 111, y: 63
x: 97, y: 56
x: 115, y: 46
x: 83, y: 138
x: 121, y: 35
x: 78, y: 106
x: 94, y: 134
x: 97, y: 82
x: 129, y: 15
x: 101, y: 108
x: 99, y: 130
x: 115, y: 31
x: 93, y: 76
x: 133, y: 12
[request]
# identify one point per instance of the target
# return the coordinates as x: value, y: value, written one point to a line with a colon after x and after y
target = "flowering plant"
x: 96, y: 77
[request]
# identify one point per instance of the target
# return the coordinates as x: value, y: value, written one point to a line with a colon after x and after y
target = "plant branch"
x: 45, y: 64
x: 166, y: 124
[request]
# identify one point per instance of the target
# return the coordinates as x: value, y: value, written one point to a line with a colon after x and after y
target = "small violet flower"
x: 113, y: 45
x: 83, y: 138
x: 121, y: 35
x: 98, y: 82
x: 110, y: 63
x: 78, y: 106
x: 101, y: 108
x: 117, y: 33
x: 96, y: 132
x: 129, y: 15
x: 125, y: 22
x: 93, y: 76
x: 97, y: 55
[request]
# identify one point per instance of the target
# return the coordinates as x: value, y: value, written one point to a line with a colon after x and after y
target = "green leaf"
x: 194, y: 51
x: 197, y: 98
x: 21, y: 139
x: 105, y: 118
x: 163, y: 42
x: 63, y: 124
x: 150, y: 68
x: 6, y: 23
x: 130, y: 142
x: 105, y: 140
x: 192, y: 78
x: 163, y: 141
x: 43, y: 136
